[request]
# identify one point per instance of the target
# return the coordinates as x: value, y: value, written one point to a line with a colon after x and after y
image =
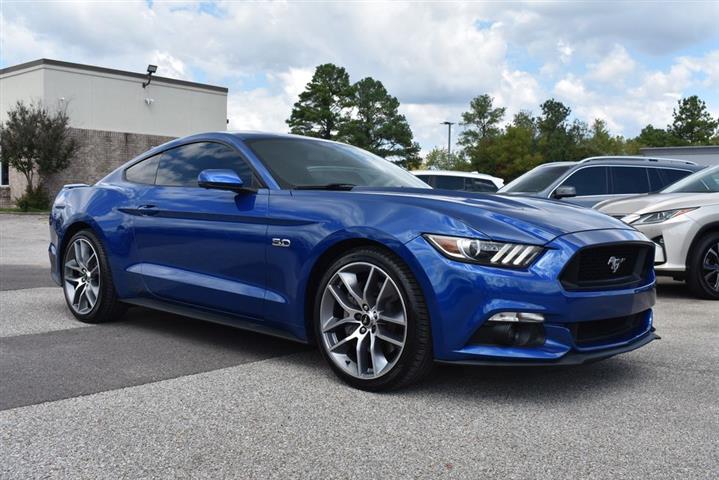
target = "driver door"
x: 203, y: 247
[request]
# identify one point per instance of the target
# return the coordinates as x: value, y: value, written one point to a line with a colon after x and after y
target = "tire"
x: 359, y: 335
x: 703, y: 267
x: 89, y: 278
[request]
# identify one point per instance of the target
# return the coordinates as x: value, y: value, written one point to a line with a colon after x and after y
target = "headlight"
x: 485, y: 252
x: 655, y: 217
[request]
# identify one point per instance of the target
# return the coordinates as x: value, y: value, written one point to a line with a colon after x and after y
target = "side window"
x: 449, y: 183
x: 179, y: 167
x: 656, y: 182
x: 588, y: 181
x: 479, y: 185
x: 629, y: 180
x: 426, y: 179
x: 672, y: 175
x: 144, y: 171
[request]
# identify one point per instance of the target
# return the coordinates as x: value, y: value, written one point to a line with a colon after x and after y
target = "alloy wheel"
x: 363, y: 320
x: 710, y: 267
x: 81, y: 276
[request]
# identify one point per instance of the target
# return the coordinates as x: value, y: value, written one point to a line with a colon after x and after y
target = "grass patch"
x: 30, y: 211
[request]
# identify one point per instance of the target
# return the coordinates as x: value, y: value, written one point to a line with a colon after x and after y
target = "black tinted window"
x: 179, y: 167
x: 428, y: 179
x: 449, y: 183
x: 630, y: 180
x: 536, y: 179
x: 671, y: 175
x: 143, y: 172
x: 479, y: 185
x: 297, y: 162
x: 656, y: 182
x: 588, y: 181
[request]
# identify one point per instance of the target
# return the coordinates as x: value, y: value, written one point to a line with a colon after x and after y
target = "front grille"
x: 608, y: 266
x: 607, y: 330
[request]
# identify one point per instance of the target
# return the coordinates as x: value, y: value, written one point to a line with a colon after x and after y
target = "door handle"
x: 147, y: 210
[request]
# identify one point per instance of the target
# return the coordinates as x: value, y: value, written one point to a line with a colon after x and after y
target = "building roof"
x: 112, y: 71
x: 686, y: 150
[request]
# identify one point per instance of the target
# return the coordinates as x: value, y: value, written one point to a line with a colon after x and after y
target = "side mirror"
x: 222, y: 180
x: 565, y: 191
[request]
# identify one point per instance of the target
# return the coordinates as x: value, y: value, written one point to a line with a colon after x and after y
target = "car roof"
x: 632, y: 161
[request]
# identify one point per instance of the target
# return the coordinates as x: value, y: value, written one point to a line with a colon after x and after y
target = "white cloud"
x: 614, y: 67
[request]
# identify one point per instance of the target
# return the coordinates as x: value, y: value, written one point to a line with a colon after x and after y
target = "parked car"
x: 325, y: 243
x: 465, y: 181
x: 594, y: 179
x: 683, y: 222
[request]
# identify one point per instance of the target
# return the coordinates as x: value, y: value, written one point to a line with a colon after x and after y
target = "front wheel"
x: 703, y: 275
x: 371, y: 321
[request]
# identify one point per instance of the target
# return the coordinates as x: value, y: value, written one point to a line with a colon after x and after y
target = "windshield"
x: 536, y: 180
x: 297, y: 162
x: 700, y: 182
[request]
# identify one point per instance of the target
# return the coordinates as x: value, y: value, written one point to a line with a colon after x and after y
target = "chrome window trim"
x: 572, y: 172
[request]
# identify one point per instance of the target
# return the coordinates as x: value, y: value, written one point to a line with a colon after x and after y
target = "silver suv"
x: 600, y: 178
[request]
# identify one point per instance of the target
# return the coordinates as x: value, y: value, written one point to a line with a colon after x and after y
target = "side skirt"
x: 209, y: 316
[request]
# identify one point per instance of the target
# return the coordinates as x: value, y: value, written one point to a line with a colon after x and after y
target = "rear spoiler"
x: 70, y: 186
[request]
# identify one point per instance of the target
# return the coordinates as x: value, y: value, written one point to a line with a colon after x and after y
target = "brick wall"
x: 99, y: 153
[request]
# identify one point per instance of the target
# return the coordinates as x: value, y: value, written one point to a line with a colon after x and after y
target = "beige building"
x: 112, y: 115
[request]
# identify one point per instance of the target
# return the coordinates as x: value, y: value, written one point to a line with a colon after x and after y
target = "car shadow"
x: 193, y: 332
x: 531, y: 384
x: 671, y: 289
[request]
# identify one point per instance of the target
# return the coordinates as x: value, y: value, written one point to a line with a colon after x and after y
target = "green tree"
x: 322, y: 108
x: 555, y: 139
x: 36, y: 143
x: 481, y: 126
x: 692, y: 122
x: 377, y: 126
x: 481, y: 120
x: 597, y: 140
x: 439, y: 159
x: 657, y: 137
x: 514, y: 152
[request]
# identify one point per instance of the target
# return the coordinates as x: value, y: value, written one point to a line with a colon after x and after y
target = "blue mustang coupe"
x: 322, y: 242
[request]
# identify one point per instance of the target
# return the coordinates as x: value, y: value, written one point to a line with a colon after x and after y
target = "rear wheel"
x: 87, y: 282
x: 703, y: 275
x: 371, y: 321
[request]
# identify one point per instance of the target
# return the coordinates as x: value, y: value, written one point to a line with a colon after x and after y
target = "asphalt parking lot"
x: 162, y: 396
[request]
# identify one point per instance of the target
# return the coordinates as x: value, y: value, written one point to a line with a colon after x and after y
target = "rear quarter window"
x: 144, y: 171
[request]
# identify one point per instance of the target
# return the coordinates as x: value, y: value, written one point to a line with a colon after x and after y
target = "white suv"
x: 467, y: 181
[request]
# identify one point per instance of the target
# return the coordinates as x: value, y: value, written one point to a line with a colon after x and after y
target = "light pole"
x: 449, y: 136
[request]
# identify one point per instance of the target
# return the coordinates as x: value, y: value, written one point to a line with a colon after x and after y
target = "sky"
x: 624, y: 62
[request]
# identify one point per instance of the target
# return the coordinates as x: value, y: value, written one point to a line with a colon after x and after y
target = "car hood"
x: 656, y: 203
x: 502, y: 217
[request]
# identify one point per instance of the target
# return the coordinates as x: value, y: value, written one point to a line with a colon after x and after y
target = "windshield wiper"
x: 326, y: 186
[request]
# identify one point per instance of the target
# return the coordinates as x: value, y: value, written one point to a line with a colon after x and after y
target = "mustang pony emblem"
x: 615, y: 262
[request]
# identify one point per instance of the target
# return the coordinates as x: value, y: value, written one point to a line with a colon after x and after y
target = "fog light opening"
x: 511, y: 331
x: 518, y: 317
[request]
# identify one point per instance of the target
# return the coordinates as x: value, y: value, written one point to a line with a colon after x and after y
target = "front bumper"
x: 464, y: 296
x: 571, y: 358
x: 673, y: 240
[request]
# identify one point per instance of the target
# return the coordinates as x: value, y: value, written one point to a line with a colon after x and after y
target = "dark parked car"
x: 594, y: 179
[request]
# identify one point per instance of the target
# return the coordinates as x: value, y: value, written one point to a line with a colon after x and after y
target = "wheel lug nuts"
x: 365, y: 307
x: 363, y: 330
